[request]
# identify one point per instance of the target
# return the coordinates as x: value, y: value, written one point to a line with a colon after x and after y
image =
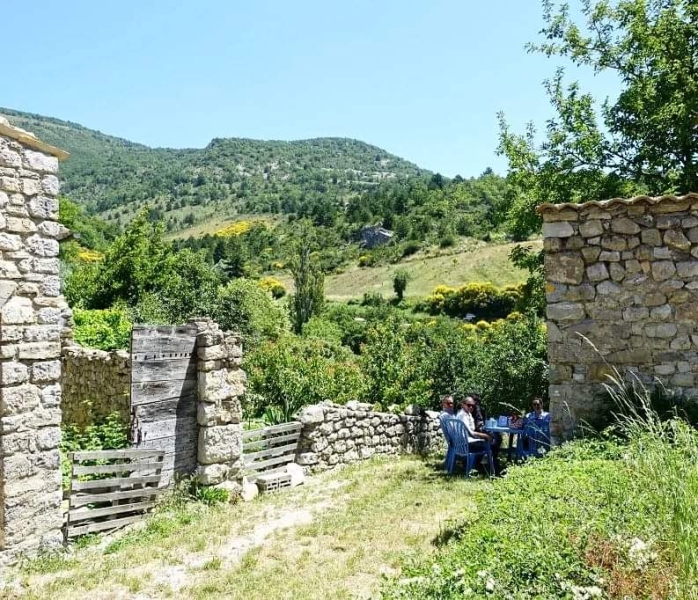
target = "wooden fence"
x: 128, y: 484
x: 269, y: 449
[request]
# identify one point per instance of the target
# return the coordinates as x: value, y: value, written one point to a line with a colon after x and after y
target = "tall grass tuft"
x: 664, y: 455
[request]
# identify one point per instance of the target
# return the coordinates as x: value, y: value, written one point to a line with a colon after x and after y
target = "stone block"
x: 559, y: 229
x: 13, y: 372
x: 614, y: 242
x: 219, y: 444
x: 591, y: 228
x: 676, y: 239
x: 661, y: 313
x: 597, y: 272
x: 663, y: 269
x: 608, y: 288
x: 625, y: 226
x: 566, y: 311
x: 43, y: 207
x: 591, y: 254
x: 50, y: 185
x: 307, y: 459
x: 687, y: 269
x: 212, y: 474
x: 38, y: 161
x: 609, y: 256
x: 565, y: 268
x: 311, y: 415
x: 635, y: 313
x: 670, y: 206
x: 39, y: 350
x: 617, y: 272
x: 660, y: 330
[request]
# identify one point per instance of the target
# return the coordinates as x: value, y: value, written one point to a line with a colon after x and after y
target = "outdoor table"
x: 511, y: 431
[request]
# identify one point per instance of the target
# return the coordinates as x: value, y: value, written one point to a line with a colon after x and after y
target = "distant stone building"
x: 371, y: 236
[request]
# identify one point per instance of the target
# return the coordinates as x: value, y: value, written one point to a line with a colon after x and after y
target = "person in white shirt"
x: 465, y: 414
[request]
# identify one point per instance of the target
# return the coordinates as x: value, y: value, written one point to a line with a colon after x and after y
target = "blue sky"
x: 423, y: 79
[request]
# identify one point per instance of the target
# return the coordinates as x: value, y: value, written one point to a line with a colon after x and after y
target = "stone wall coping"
x: 648, y: 200
x: 29, y: 139
x: 82, y: 351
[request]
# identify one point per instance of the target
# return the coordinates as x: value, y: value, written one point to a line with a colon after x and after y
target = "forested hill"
x: 114, y: 177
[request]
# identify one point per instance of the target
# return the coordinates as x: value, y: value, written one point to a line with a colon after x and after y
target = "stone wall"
x: 333, y: 434
x: 624, y: 274
x: 33, y: 320
x: 95, y: 384
x: 221, y: 385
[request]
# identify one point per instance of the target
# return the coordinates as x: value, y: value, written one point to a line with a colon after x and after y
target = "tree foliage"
x: 309, y: 282
x: 643, y: 141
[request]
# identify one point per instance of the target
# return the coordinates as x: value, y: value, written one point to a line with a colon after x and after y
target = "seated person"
x: 480, y: 417
x: 447, y: 409
x: 476, y: 439
x: 538, y: 413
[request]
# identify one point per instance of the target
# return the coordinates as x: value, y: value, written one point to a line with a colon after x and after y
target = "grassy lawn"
x: 337, y: 536
x: 478, y: 263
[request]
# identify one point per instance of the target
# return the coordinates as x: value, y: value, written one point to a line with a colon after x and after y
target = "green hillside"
x: 114, y: 177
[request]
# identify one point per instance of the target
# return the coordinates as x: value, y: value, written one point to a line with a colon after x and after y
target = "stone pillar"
x: 33, y: 318
x: 221, y: 385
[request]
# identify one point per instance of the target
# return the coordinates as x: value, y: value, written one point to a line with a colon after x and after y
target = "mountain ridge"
x: 115, y: 177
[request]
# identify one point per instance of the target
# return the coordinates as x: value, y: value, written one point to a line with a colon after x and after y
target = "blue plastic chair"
x: 536, y: 434
x: 449, y: 441
x: 456, y: 430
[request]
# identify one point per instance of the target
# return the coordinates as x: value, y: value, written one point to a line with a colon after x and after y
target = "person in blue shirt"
x: 538, y: 413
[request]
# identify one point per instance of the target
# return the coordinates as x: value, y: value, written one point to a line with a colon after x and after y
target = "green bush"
x: 245, y: 307
x: 110, y: 434
x: 293, y: 372
x: 108, y: 329
x: 410, y: 248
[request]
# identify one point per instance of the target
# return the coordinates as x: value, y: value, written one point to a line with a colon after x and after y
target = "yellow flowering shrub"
x: 482, y: 325
x: 87, y: 255
x: 365, y: 260
x: 484, y: 300
x: 237, y: 228
x: 272, y: 285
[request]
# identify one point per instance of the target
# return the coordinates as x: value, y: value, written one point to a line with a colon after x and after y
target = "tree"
x: 644, y: 141
x: 310, y: 286
x: 400, y: 280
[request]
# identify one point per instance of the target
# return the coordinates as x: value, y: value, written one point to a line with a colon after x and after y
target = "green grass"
x: 474, y: 263
x: 337, y: 536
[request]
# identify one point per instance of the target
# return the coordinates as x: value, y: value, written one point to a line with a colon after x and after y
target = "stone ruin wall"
x: 334, y: 435
x: 624, y: 274
x: 34, y: 318
x: 95, y: 384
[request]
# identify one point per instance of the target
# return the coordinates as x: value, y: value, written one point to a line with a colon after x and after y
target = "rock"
x: 561, y: 229
x: 687, y: 269
x: 661, y: 313
x: 663, y: 269
x: 614, y: 242
x: 565, y: 311
x: 212, y: 474
x: 565, y: 268
x: 661, y: 330
x: 635, y: 313
x: 220, y: 444
x: 625, y: 226
x: 307, y: 458
x: 597, y: 272
x: 609, y: 256
x: 311, y: 415
x: 676, y: 239
x: 591, y: 229
x: 297, y: 474
x: 591, y: 254
x: 249, y: 491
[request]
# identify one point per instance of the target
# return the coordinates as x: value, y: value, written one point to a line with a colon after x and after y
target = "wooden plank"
x: 93, y: 513
x: 263, y: 464
x: 94, y: 527
x: 163, y: 369
x: 111, y: 454
x: 97, y: 498
x: 156, y: 391
x: 149, y: 342
x: 178, y: 407
x: 254, y: 433
x: 165, y: 428
x: 278, y: 451
x: 121, y: 482
x: 96, y: 469
x: 269, y: 442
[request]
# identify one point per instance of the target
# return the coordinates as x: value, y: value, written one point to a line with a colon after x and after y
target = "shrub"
x: 293, y: 372
x: 365, y: 260
x: 108, y: 329
x: 400, y: 280
x: 485, y: 300
x: 274, y: 286
x: 410, y: 248
x: 372, y: 299
x: 245, y: 307
x: 447, y: 241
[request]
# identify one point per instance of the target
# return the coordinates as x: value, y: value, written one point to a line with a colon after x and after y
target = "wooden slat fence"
x: 163, y: 395
x: 114, y: 492
x: 269, y: 449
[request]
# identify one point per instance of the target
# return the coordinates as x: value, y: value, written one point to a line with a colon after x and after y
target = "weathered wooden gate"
x: 163, y: 395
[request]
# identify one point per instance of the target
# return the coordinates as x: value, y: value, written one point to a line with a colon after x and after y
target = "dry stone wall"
x: 624, y: 274
x: 95, y: 384
x: 34, y: 318
x: 334, y: 434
